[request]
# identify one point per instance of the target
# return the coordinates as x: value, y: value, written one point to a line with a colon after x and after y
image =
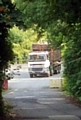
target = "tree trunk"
x: 2, y: 108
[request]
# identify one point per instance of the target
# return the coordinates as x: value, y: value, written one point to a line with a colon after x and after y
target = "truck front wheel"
x: 55, y: 71
x: 48, y: 74
x: 31, y: 75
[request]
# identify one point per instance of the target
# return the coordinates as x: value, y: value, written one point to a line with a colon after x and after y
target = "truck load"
x: 43, y: 60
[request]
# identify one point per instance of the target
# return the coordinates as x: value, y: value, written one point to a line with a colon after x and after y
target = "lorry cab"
x: 38, y: 63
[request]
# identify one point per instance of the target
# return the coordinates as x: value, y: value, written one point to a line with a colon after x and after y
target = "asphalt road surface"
x: 22, y: 80
x: 33, y: 98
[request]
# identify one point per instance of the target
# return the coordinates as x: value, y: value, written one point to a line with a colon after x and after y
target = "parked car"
x: 9, y: 74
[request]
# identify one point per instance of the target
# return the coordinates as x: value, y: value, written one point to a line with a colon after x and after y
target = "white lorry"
x: 43, y: 61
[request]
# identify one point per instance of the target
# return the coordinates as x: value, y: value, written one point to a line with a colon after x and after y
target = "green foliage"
x: 36, y: 12
x: 72, y: 60
x: 15, y: 35
x: 22, y: 41
x: 56, y: 33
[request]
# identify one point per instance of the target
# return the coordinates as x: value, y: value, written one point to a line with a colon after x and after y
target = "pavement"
x: 44, y: 104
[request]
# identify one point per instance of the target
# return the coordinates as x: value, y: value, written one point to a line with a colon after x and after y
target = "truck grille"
x: 36, y: 69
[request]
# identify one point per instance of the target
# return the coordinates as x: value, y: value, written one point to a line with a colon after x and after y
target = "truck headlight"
x: 46, y: 69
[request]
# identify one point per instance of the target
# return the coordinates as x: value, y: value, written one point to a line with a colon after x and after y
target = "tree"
x: 8, y: 17
x: 22, y: 41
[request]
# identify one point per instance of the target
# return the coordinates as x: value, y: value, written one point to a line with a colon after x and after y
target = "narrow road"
x: 33, y: 99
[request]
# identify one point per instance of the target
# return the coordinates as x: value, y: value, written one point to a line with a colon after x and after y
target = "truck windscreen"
x: 36, y: 58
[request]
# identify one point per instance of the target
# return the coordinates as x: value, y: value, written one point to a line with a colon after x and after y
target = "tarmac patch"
x: 63, y: 117
x: 49, y: 100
